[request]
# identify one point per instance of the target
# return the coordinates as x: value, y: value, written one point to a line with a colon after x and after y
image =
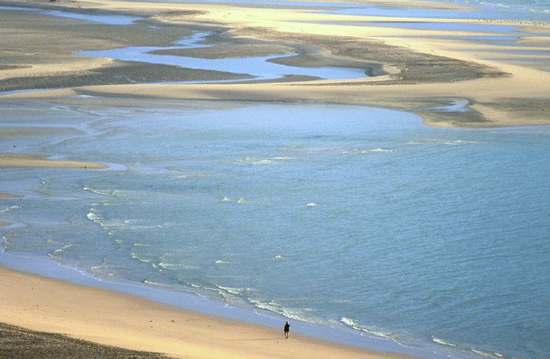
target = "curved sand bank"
x: 416, y: 69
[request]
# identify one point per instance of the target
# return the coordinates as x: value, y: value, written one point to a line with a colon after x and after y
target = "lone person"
x: 287, y: 329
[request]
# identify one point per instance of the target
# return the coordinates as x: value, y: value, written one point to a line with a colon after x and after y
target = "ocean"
x: 516, y: 9
x: 357, y: 224
x: 357, y: 219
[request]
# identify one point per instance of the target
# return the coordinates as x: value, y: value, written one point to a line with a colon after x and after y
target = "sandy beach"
x: 120, y: 321
x: 417, y: 70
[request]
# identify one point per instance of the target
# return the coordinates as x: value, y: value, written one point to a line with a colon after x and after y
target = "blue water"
x: 536, y: 10
x: 358, y: 224
x: 531, y: 10
x: 349, y: 218
x: 260, y: 67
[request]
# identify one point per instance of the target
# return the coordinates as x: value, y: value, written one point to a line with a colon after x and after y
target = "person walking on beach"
x: 287, y: 329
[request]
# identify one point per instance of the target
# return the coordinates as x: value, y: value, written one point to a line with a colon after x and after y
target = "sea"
x: 357, y: 224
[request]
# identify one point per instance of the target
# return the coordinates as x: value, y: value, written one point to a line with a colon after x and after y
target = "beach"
x: 436, y: 73
x: 118, y: 320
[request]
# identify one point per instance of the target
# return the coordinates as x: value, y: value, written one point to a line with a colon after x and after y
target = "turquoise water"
x: 357, y: 219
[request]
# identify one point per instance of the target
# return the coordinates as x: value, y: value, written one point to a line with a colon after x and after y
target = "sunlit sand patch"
x: 23, y: 160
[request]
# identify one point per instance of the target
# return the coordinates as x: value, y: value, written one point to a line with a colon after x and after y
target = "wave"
x: 380, y: 150
x: 294, y: 314
x: 126, y: 224
x: 58, y: 251
x: 364, y: 329
x: 174, y: 266
x: 443, y: 342
x: 362, y: 151
x: 467, y: 349
x: 423, y: 141
x: 460, y: 142
x: 8, y: 209
x: 93, y: 217
x: 137, y: 257
x: 235, y: 291
x: 239, y: 201
x: 97, y: 191
x: 444, y: 142
x: 260, y: 161
x: 536, y: 6
x: 221, y: 261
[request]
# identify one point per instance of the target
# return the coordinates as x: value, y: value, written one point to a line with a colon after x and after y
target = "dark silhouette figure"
x: 287, y: 329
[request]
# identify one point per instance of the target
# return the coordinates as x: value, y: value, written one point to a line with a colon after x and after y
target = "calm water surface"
x: 350, y: 218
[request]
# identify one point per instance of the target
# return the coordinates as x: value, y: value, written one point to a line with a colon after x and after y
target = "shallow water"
x: 260, y: 67
x: 118, y: 20
x: 349, y: 218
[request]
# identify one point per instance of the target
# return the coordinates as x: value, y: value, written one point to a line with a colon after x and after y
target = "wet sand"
x: 27, y: 160
x: 409, y: 68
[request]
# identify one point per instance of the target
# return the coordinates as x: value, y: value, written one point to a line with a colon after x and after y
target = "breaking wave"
x: 467, y: 349
x: 364, y: 329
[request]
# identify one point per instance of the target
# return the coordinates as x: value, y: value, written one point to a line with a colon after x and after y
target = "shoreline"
x: 125, y: 320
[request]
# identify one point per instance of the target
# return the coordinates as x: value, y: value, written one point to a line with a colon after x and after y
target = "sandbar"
x: 414, y: 69
x: 28, y: 160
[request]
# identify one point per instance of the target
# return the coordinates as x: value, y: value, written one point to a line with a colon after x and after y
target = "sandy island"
x: 411, y: 69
